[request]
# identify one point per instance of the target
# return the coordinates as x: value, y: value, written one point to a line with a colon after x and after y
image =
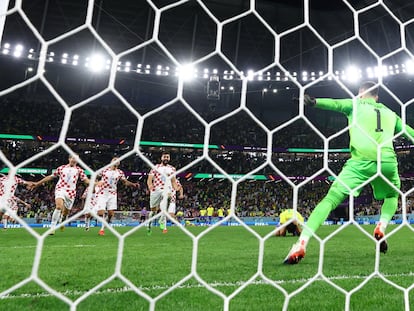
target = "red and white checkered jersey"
x: 94, y: 194
x: 161, y: 173
x: 15, y: 181
x: 110, y: 178
x: 68, y: 178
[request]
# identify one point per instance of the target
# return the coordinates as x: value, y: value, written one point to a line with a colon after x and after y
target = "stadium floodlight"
x: 352, y: 74
x: 409, y: 67
x: 186, y: 72
x: 370, y: 73
x: 6, y: 45
x: 250, y: 75
x: 76, y: 56
x: 18, y: 50
x: 383, y: 71
x: 96, y: 63
x: 5, y: 51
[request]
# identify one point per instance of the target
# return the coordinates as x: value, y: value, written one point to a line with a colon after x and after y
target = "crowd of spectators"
x: 255, y: 198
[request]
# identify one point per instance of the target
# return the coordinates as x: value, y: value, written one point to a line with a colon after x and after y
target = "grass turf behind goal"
x: 74, y: 261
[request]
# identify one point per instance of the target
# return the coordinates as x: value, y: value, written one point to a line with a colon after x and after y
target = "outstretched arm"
x: 130, y: 184
x: 41, y: 182
x: 340, y: 105
x: 18, y: 200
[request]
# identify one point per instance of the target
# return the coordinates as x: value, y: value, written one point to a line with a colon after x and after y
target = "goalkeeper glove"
x: 309, y: 101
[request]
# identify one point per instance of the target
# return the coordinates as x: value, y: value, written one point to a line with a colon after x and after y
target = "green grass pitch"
x: 74, y: 261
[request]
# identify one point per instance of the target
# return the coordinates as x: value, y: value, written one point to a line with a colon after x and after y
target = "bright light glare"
x: 186, y: 72
x: 18, y: 50
x: 250, y: 75
x: 353, y: 74
x: 409, y: 67
x: 96, y: 63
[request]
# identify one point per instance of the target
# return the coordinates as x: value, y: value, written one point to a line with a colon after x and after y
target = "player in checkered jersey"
x: 65, y: 190
x: 91, y: 207
x: 106, y: 197
x: 161, y: 183
x: 8, y: 186
x: 14, y: 208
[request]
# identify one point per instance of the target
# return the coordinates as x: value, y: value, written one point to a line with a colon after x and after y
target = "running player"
x: 7, y: 197
x: 161, y: 182
x: 65, y: 190
x: 106, y: 197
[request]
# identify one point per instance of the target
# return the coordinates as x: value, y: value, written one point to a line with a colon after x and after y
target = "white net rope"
x: 115, y: 58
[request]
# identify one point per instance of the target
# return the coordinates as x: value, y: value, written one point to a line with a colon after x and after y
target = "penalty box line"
x: 189, y: 286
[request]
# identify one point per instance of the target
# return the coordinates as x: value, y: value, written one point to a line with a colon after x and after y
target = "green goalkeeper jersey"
x: 372, y: 124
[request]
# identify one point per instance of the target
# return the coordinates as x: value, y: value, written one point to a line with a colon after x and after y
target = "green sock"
x: 388, y: 209
x: 320, y: 213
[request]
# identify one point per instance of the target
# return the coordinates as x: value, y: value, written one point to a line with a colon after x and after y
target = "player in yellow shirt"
x: 220, y: 213
x: 293, y: 227
x: 210, y: 213
x: 180, y: 216
x: 203, y: 213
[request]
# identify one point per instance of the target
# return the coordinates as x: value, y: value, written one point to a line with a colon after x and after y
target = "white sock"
x: 55, y: 217
x: 383, y: 225
x: 103, y: 224
x: 87, y: 221
x: 4, y: 223
x: 304, y: 241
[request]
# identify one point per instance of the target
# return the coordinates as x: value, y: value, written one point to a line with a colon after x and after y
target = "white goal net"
x: 220, y: 85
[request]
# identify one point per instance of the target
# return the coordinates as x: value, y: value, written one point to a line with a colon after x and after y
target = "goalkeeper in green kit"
x: 372, y: 127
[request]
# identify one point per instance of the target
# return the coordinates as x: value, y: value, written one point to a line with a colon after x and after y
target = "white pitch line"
x: 49, y: 246
x: 189, y: 286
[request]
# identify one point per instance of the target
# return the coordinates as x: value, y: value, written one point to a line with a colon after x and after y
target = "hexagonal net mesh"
x: 280, y: 69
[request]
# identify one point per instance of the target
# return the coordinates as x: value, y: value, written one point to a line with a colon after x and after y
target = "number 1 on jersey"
x: 378, y: 129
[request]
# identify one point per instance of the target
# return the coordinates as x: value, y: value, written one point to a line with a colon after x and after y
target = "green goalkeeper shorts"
x: 356, y: 173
